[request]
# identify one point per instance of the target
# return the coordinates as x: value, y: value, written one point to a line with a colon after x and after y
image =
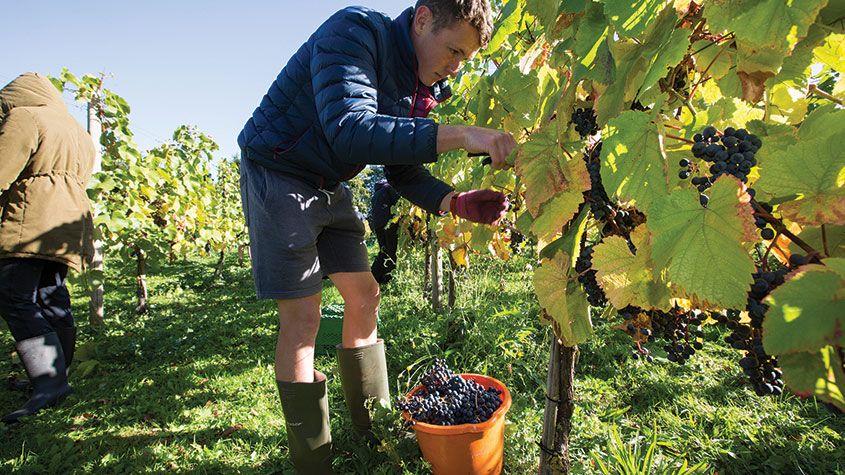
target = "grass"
x: 189, y: 387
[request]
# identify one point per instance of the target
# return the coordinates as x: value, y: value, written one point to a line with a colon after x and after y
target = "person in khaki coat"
x: 46, y: 160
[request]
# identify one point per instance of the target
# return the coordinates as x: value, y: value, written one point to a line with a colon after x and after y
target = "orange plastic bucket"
x: 466, y: 449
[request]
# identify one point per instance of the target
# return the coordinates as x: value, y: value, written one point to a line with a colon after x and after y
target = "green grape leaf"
x: 664, y: 55
x: 774, y: 136
x: 519, y: 93
x: 702, y: 248
x: 640, y: 64
x: 632, y: 18
x: 824, y: 120
x: 506, y: 26
x: 833, y: 240
x: 794, y: 69
x: 631, y: 157
x: 808, y: 311
x: 560, y: 294
x: 629, y: 279
x: 544, y: 11
x: 546, y: 170
x: 818, y: 373
x: 626, y: 56
x: 812, y: 169
x: 766, y: 31
x: 715, y: 59
x: 592, y: 29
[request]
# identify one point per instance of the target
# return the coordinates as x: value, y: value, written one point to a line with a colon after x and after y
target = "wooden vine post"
x: 96, y: 313
x: 560, y: 404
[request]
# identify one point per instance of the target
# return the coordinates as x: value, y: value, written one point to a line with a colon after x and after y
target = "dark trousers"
x: 33, y: 297
x: 385, y: 261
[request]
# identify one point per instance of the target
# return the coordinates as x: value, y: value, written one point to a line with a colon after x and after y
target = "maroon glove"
x: 480, y: 206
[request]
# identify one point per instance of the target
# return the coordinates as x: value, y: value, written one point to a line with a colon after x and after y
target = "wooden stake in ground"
x: 141, y: 281
x: 557, y: 418
x: 96, y: 313
x: 436, y: 274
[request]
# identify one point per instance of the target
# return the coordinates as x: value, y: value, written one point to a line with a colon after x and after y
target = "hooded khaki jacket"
x: 46, y: 160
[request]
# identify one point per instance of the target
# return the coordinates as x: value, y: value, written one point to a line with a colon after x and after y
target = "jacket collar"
x: 402, y: 30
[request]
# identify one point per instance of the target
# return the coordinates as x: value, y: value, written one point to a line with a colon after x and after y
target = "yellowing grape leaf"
x: 808, y: 311
x: 459, y: 257
x: 499, y: 247
x: 629, y: 279
x: 766, y: 31
x: 727, y: 112
x: 547, y: 171
x: 561, y: 296
x: 631, y: 157
x: 787, y: 105
x: 819, y: 373
x: 832, y: 52
x: 813, y: 170
x: 570, y: 241
x: 702, y: 248
x: 555, y: 214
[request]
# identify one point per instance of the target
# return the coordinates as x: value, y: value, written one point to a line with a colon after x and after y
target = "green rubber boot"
x: 306, y: 410
x: 363, y: 374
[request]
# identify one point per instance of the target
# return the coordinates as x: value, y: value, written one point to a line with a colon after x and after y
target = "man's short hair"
x: 475, y: 12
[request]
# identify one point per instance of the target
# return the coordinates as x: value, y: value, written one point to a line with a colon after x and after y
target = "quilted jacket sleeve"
x: 18, y: 141
x: 417, y: 185
x: 345, y: 85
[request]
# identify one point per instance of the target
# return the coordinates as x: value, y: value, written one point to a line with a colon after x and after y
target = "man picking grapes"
x: 356, y: 93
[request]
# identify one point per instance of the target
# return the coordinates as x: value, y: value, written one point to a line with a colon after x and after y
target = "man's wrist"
x: 446, y: 203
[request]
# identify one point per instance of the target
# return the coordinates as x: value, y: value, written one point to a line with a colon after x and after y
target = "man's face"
x: 440, y: 53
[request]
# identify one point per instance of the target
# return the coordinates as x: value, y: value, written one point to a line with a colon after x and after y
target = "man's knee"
x: 299, y: 319
x: 368, y: 299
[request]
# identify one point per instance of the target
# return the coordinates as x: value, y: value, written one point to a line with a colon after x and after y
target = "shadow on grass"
x: 747, y: 457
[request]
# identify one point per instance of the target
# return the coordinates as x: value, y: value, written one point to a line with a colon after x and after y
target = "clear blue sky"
x: 204, y: 63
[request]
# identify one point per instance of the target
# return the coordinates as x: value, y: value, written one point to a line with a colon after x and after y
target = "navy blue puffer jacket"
x: 344, y: 100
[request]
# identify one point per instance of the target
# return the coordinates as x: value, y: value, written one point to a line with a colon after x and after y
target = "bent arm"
x: 18, y: 141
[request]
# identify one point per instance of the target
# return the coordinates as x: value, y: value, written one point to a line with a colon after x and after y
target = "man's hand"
x: 476, y: 140
x: 480, y: 206
x: 496, y: 143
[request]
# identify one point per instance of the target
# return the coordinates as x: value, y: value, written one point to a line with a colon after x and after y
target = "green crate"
x: 331, y: 328
x: 330, y: 333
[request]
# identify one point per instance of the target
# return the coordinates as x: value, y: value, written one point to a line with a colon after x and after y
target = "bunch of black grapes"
x: 680, y: 329
x: 617, y: 220
x: 516, y: 241
x: 731, y: 153
x: 447, y: 399
x: 766, y: 232
x: 760, y: 367
x: 587, y: 277
x: 598, y: 199
x: 585, y: 122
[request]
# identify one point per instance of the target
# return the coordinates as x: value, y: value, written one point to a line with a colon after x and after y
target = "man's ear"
x: 423, y: 19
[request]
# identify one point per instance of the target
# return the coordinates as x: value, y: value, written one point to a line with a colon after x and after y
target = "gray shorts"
x: 297, y: 233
